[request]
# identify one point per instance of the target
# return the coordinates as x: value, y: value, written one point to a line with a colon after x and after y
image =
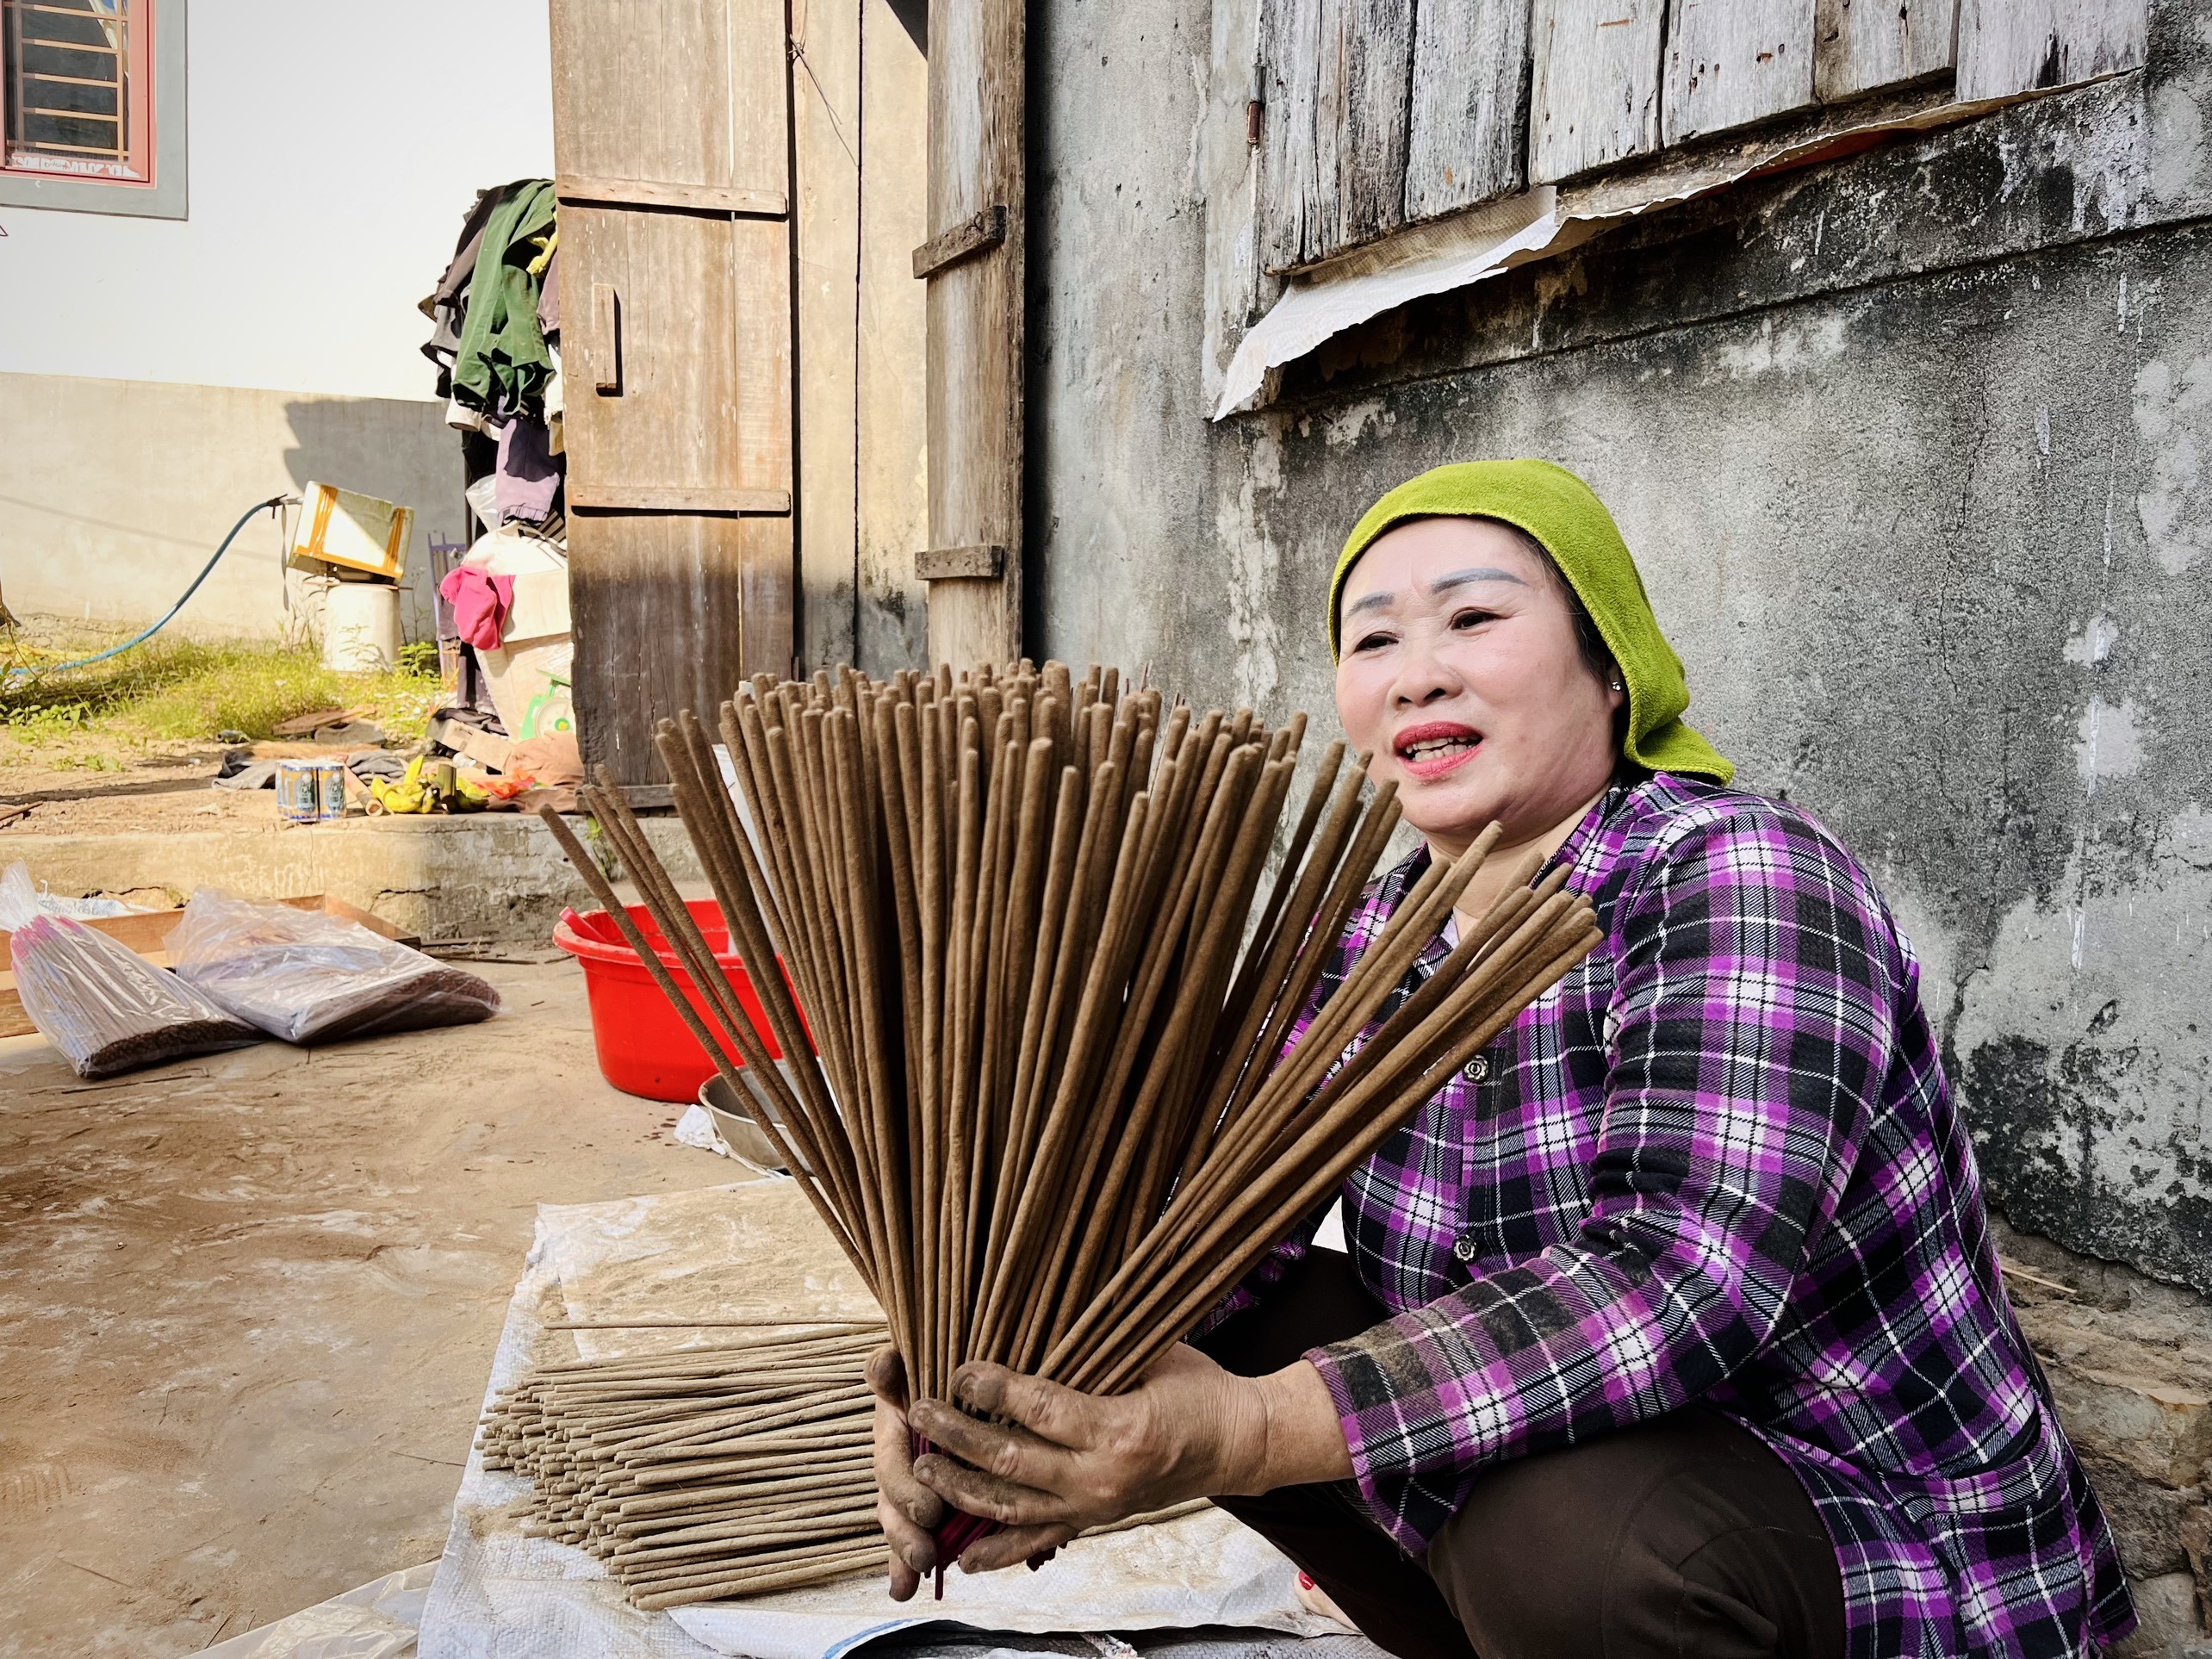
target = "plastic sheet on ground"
x: 378, y: 1620
x: 753, y: 1250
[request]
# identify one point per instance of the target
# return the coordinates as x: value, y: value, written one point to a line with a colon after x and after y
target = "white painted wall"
x: 335, y: 147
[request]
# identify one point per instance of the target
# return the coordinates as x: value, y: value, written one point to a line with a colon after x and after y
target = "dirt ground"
x: 156, y: 791
x: 248, y: 1303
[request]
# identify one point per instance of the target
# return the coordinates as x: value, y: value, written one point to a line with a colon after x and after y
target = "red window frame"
x: 135, y: 170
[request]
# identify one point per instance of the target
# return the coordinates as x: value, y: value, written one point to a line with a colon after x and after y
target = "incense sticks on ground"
x: 1027, y: 924
x: 700, y: 1474
x: 108, y: 1009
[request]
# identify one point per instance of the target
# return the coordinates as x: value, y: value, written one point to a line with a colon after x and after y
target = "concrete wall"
x: 1911, y: 447
x: 113, y: 495
x: 334, y: 149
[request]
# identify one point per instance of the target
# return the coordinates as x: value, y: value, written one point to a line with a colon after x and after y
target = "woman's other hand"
x: 1067, y: 1461
x: 908, y: 1511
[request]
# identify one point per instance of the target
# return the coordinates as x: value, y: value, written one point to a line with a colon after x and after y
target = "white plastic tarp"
x: 755, y: 1248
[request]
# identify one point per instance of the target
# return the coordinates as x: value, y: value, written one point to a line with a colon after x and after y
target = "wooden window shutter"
x: 972, y: 263
x: 1376, y: 114
x: 671, y: 138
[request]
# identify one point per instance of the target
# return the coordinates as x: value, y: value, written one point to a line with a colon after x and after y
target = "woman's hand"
x: 908, y: 1511
x: 1068, y: 1460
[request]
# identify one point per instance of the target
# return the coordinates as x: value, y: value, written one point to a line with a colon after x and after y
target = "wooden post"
x: 972, y: 263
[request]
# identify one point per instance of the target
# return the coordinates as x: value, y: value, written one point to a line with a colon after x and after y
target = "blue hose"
x: 272, y: 503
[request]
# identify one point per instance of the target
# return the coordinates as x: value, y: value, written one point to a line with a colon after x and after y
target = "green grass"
x: 184, y: 690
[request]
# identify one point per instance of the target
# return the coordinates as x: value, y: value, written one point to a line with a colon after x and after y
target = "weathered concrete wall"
x: 1909, y: 447
x: 113, y: 494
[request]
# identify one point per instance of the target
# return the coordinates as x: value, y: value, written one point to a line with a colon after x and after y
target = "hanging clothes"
x: 446, y: 303
x: 528, y: 479
x: 501, y: 364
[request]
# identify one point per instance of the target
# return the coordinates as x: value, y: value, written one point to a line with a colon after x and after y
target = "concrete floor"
x: 248, y: 1303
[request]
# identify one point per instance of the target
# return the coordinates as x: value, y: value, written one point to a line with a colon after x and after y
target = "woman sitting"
x: 1673, y: 1324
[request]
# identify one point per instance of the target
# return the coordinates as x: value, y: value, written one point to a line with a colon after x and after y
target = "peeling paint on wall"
x: 2173, y: 418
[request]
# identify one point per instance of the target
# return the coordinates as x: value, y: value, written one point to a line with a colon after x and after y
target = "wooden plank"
x: 1335, y: 86
x: 1469, y: 137
x: 825, y: 134
x: 1732, y: 63
x: 671, y: 611
x: 1871, y: 46
x: 2018, y: 46
x: 700, y: 357
x: 960, y: 563
x: 651, y: 193
x: 984, y: 230
x: 977, y: 116
x: 890, y: 621
x: 680, y: 498
x: 1594, y: 93
x: 676, y: 93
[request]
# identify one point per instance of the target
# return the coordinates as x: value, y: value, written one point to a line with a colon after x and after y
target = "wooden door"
x: 672, y: 167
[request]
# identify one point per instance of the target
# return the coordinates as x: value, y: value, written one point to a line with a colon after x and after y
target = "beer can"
x: 330, y: 787
x: 299, y: 791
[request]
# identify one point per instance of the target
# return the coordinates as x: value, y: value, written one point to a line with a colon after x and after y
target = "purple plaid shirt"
x: 1719, y: 1161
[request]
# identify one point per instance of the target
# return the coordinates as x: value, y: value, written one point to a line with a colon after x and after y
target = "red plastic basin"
x: 644, y: 1046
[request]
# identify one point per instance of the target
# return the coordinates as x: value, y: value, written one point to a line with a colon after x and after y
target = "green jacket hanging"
x: 503, y: 365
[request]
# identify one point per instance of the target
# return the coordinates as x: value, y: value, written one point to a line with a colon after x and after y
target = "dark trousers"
x: 1684, y: 1535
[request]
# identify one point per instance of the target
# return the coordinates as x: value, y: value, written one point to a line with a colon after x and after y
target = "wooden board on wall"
x: 2015, y: 46
x: 1594, y: 93
x: 1731, y: 63
x: 1870, y: 46
x: 1467, y: 140
x: 977, y: 111
x: 1338, y: 77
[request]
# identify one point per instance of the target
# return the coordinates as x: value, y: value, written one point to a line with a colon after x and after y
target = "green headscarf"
x: 1567, y: 519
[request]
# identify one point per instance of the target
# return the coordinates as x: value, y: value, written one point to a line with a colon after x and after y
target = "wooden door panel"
x: 671, y: 611
x: 670, y: 93
x: 678, y: 353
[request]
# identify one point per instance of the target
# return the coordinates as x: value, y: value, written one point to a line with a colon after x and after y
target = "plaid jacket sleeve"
x: 1748, y: 1034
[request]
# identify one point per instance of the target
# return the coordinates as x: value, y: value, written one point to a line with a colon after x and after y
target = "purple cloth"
x: 526, y: 476
x: 1719, y: 1161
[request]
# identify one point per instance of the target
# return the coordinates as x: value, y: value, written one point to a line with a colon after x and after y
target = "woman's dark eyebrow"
x: 1482, y: 573
x: 1442, y: 584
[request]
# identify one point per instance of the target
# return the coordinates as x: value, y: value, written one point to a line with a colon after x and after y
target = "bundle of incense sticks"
x: 1052, y: 1119
x: 701, y: 1473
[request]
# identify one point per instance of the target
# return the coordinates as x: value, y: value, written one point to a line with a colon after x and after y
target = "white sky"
x: 335, y: 146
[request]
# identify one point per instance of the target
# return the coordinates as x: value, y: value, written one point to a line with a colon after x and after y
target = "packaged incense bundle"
x: 108, y: 1009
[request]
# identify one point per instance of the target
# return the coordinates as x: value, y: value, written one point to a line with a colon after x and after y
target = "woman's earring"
x: 1617, y: 686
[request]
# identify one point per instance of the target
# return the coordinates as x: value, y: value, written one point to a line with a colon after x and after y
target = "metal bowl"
x: 748, y: 1143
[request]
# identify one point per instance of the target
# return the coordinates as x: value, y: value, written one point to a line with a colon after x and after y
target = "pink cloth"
x: 480, y: 605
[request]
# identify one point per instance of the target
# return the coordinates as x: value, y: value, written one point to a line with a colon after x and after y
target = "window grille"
x: 76, y: 87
